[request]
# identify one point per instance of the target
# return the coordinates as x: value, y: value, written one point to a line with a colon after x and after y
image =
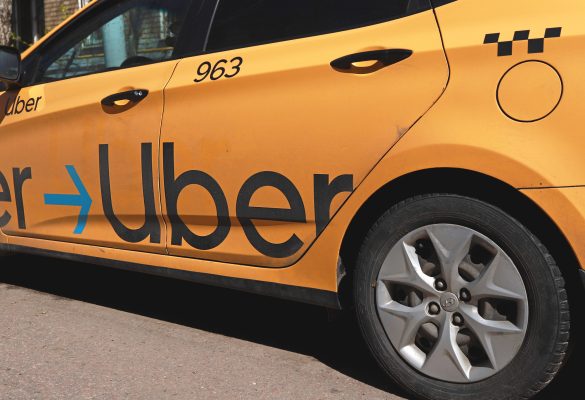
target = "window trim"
x: 422, y: 6
x: 196, y: 16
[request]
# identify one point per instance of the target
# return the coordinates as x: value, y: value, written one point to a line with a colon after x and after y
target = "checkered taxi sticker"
x: 535, y: 44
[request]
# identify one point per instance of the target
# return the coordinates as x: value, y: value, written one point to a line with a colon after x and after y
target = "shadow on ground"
x: 271, y: 322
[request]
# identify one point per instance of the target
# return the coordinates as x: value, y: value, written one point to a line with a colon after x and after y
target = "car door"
x: 80, y: 141
x: 268, y: 132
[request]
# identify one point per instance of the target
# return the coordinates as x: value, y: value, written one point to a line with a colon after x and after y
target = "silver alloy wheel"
x: 452, y: 303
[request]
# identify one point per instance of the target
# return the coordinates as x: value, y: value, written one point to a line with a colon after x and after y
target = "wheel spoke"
x: 452, y: 245
x: 446, y: 359
x: 498, y: 281
x: 402, y: 267
x: 404, y: 321
x: 486, y: 331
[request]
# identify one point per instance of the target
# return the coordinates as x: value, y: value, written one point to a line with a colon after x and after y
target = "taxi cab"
x: 417, y: 162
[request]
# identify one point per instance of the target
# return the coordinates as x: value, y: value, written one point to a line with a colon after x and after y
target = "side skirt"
x: 317, y: 297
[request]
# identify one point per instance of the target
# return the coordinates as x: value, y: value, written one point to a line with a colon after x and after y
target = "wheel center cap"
x: 449, y: 302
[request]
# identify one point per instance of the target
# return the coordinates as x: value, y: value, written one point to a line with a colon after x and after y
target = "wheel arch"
x: 465, y: 183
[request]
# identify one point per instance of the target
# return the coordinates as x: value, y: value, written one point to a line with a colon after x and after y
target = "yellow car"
x: 418, y: 161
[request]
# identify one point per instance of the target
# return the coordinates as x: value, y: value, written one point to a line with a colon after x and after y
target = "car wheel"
x: 457, y: 300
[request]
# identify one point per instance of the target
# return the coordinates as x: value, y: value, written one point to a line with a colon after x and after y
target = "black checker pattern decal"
x: 535, y: 44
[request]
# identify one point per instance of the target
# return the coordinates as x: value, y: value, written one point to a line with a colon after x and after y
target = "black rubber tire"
x: 545, y: 345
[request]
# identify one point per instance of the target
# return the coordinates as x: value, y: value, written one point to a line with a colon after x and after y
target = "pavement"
x: 77, y: 331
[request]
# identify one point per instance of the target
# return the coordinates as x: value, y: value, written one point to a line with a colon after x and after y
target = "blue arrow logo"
x: 82, y: 200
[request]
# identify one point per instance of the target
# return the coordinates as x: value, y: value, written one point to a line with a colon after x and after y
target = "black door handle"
x: 383, y: 59
x: 132, y: 96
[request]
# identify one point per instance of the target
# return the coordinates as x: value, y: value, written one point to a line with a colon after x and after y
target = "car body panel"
x: 476, y: 72
x: 466, y: 129
x: 44, y: 142
x: 289, y: 112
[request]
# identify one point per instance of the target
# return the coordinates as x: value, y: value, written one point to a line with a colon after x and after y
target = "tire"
x: 504, y: 308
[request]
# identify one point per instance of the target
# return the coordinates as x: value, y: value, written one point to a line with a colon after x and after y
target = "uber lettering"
x: 19, y: 177
x: 326, y: 190
x: 18, y: 106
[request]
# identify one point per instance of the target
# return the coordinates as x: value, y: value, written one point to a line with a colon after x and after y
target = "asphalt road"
x: 76, y: 331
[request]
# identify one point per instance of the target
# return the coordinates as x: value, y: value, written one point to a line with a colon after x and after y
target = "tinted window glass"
x: 241, y: 23
x: 132, y: 33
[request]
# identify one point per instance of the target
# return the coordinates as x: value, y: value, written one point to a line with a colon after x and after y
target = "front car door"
x: 78, y: 164
x: 264, y: 137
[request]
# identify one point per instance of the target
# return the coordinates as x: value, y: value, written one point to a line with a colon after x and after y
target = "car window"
x: 130, y: 33
x: 241, y: 23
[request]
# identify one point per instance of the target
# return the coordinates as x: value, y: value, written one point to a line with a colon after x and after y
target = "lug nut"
x: 465, y: 295
x: 422, y: 248
x: 434, y: 309
x: 458, y: 320
x: 420, y: 245
x: 440, y: 285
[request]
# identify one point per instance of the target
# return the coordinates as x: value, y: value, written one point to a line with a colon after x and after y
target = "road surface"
x: 76, y: 331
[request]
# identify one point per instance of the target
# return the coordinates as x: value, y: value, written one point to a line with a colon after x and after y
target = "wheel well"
x: 464, y: 183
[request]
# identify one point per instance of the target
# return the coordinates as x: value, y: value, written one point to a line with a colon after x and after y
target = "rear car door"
x: 268, y: 132
x: 80, y: 141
